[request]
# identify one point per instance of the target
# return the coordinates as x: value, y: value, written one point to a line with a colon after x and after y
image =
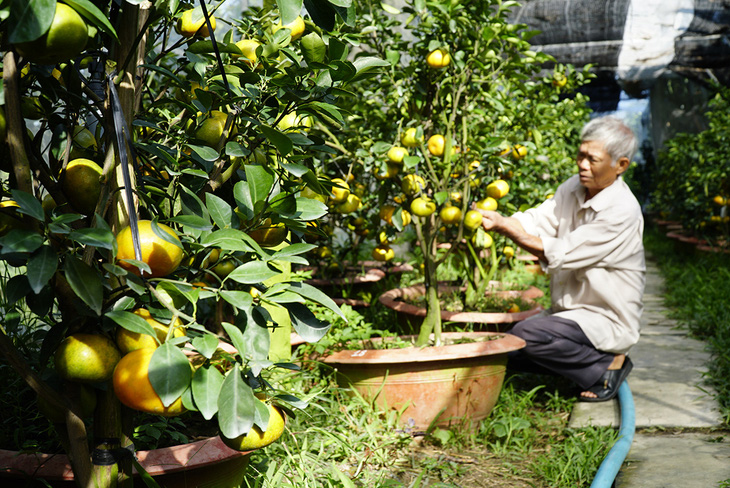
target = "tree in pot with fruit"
x: 472, y: 109
x: 461, y: 109
x: 151, y: 212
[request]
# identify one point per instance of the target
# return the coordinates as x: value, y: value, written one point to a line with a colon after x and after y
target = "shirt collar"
x: 603, y: 199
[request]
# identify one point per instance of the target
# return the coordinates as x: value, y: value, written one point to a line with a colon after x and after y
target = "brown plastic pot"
x: 412, y: 315
x: 447, y: 384
x: 206, y: 463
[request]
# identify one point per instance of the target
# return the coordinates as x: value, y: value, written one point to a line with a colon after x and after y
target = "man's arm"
x: 512, y: 228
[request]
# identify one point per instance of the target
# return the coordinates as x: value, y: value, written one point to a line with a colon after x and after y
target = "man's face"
x: 594, y: 167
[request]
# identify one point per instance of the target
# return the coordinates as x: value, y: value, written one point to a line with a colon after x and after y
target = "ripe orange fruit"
x: 497, y: 189
x: 488, y: 203
x: 720, y: 200
x: 248, y: 50
x: 519, y: 151
x: 396, y: 154
x: 423, y: 207
x: 412, y: 184
x: 410, y: 137
x: 161, y: 256
x: 340, y: 190
x: 192, y: 23
x: 438, y: 58
x: 383, y: 252
x: 472, y: 219
x: 81, y: 184
x: 256, y: 438
x: 508, y: 251
x: 129, y: 341
x: 296, y: 28
x: 269, y: 234
x: 351, y: 204
x: 133, y: 388
x: 86, y: 358
x: 450, y: 215
x: 436, y: 144
x: 65, y: 39
x: 386, y: 213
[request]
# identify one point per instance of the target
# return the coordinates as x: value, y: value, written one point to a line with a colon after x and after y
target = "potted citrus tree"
x: 151, y: 210
x: 466, y: 114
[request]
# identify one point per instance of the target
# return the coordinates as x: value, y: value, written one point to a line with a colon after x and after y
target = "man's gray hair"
x: 619, y: 141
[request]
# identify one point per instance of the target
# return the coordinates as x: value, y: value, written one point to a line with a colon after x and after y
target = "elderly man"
x: 589, y: 239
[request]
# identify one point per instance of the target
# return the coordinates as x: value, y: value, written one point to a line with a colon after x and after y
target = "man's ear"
x: 622, y: 165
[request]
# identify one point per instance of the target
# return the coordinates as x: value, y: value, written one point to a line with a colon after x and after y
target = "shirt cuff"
x: 554, y: 250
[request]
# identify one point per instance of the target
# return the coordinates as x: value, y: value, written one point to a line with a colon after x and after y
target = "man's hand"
x: 507, y: 226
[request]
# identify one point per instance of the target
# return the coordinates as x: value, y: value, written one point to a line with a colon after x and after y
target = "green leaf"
x: 310, y: 209
x: 16, y: 288
x: 289, y: 9
x: 256, y: 344
x: 95, y: 16
x: 20, y: 240
x: 282, y: 142
x: 204, y: 152
x: 30, y: 19
x: 169, y: 373
x: 309, y: 327
x: 252, y: 272
x: 322, y: 13
x: 292, y: 250
x: 260, y: 183
x: 313, y: 48
x: 220, y: 211
x: 206, y: 387
x: 228, y: 240
x: 132, y: 322
x: 85, y: 282
x: 239, y: 299
x: 236, y: 336
x: 236, y: 407
x: 29, y: 205
x: 311, y: 293
x: 41, y: 267
x: 93, y: 237
x: 206, y: 345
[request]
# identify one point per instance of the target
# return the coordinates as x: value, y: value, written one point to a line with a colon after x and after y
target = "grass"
x: 696, y: 293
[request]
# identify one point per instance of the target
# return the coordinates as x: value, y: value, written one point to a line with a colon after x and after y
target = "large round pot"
x: 206, y: 463
x: 353, y: 280
x: 411, y: 316
x: 444, y: 385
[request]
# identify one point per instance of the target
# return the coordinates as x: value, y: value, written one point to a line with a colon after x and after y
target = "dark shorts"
x: 559, y: 346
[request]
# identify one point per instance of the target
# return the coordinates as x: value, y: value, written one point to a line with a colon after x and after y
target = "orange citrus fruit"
x: 86, y: 358
x: 436, y: 144
x: 65, y: 39
x: 256, y: 438
x: 383, y: 252
x: 472, y: 219
x: 296, y: 28
x: 129, y: 341
x: 450, y: 215
x: 269, y: 235
x: 192, y: 23
x: 133, y: 388
x: 163, y: 257
x: 438, y: 58
x: 497, y: 189
x: 81, y: 184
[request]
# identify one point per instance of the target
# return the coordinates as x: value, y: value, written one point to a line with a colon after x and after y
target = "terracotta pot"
x: 205, y: 463
x: 532, y: 263
x: 412, y: 315
x: 354, y: 280
x: 447, y: 384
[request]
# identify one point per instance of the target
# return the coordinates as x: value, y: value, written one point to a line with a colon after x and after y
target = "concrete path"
x: 678, y: 441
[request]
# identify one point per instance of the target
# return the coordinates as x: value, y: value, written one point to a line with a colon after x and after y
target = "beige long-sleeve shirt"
x: 595, y: 259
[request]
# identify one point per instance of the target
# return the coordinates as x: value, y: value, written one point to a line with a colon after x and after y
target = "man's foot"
x: 607, y: 386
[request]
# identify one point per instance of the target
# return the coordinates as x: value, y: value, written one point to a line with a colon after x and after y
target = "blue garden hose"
x: 612, y: 464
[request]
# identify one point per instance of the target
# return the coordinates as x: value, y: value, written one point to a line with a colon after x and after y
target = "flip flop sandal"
x: 607, y: 386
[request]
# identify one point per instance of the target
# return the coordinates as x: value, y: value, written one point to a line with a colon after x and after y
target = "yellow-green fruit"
x: 396, y: 154
x: 450, y: 215
x: 256, y: 438
x: 412, y: 184
x: 86, y: 358
x: 438, y: 58
x: 436, y: 144
x: 340, y: 190
x: 488, y: 203
x: 248, y: 50
x: 351, y: 204
x: 410, y: 137
x: 192, y: 22
x: 211, y: 130
x: 129, y: 341
x: 383, y: 253
x: 64, y: 40
x: 296, y: 28
x: 423, y: 207
x: 81, y: 184
x: 497, y: 189
x: 472, y: 219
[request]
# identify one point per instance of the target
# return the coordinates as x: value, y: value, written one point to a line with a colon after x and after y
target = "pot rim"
x: 391, y: 300
x: 197, y: 454
x: 371, y: 275
x: 503, y: 344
